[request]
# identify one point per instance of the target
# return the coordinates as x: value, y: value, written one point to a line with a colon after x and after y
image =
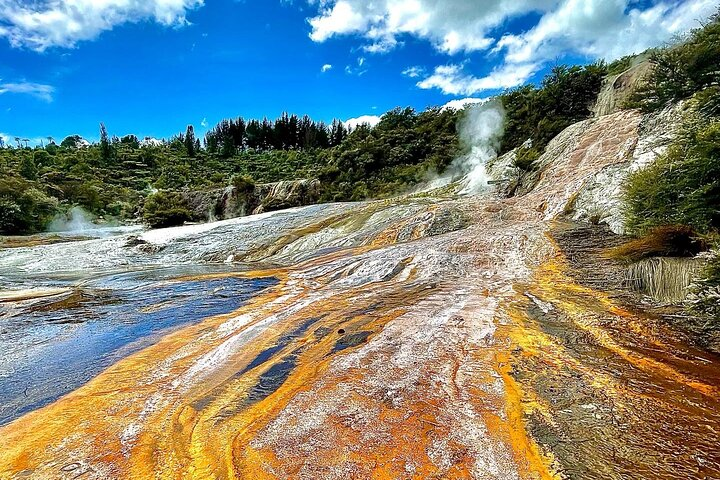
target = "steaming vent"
x: 480, y: 130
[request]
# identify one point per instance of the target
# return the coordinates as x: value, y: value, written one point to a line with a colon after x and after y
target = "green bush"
x: 681, y: 70
x: 11, y: 216
x: 682, y: 186
x: 526, y: 158
x: 166, y: 209
x: 37, y: 208
x: 705, y: 298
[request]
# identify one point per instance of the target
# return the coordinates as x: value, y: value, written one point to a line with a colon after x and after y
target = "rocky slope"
x: 231, y: 202
x: 427, y: 336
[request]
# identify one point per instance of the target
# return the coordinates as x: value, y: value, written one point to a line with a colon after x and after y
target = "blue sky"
x: 151, y: 67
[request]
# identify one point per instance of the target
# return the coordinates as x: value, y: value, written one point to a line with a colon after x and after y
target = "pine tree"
x: 105, y: 147
x: 190, y: 141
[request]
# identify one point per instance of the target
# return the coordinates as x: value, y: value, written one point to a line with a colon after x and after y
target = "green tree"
x: 105, y: 147
x: 28, y: 168
x: 71, y: 141
x: 681, y: 70
x: 190, y: 141
x: 166, y: 209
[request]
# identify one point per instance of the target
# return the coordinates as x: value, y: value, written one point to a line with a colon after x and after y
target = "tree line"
x: 289, y: 132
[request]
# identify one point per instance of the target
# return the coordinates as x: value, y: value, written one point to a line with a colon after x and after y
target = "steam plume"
x: 481, y: 129
x: 75, y: 220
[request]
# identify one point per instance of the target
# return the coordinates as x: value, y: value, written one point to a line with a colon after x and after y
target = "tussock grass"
x: 664, y: 241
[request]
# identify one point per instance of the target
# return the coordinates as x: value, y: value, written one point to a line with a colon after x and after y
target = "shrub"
x: 682, y: 186
x: 526, y: 158
x: 11, y: 216
x: 243, y: 184
x: 36, y: 208
x: 705, y: 296
x: 166, y: 209
x: 681, y: 70
x: 665, y: 241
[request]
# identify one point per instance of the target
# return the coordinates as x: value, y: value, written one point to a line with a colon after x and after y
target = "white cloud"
x: 352, y: 123
x: 453, y: 80
x: 605, y: 29
x: 359, y: 70
x: 326, y: 68
x: 341, y: 18
x: 64, y: 23
x: 461, y: 103
x: 204, y: 123
x: 37, y: 90
x: 413, y: 72
x: 451, y: 25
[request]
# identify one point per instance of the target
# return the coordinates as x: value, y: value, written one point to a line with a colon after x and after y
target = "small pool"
x: 53, y: 345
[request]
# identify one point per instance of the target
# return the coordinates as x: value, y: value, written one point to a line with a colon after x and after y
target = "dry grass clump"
x: 665, y: 241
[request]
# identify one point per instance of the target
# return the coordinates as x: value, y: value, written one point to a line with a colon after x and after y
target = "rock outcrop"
x: 231, y: 202
x: 600, y: 200
x: 617, y: 88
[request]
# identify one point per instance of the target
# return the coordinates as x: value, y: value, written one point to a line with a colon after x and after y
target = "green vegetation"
x: 705, y: 298
x: 681, y: 71
x: 525, y: 158
x: 166, y: 209
x: 392, y: 157
x: 538, y: 114
x: 683, y: 185
x: 112, y: 178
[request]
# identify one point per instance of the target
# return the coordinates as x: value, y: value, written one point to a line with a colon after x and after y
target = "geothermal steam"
x: 76, y: 220
x: 481, y: 130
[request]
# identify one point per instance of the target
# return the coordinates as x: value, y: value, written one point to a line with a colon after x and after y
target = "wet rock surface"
x: 418, y: 337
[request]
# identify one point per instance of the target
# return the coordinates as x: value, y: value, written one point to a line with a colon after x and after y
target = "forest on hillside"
x: 114, y: 177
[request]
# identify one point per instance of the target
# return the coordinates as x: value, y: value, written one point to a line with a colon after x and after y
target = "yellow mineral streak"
x: 397, y: 355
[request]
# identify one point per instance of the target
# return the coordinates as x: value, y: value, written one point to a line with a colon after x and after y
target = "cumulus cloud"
x: 605, y: 29
x: 413, y: 72
x: 453, y: 79
x: 451, y: 25
x: 326, y: 68
x: 37, y: 90
x: 461, y: 103
x: 352, y: 123
x: 39, y: 25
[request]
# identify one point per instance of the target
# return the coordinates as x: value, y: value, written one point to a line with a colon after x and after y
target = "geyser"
x: 481, y: 130
x: 75, y: 220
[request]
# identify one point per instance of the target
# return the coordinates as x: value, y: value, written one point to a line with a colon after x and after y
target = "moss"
x: 526, y: 158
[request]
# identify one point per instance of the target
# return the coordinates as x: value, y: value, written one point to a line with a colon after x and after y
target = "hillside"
x: 525, y: 289
x: 456, y: 336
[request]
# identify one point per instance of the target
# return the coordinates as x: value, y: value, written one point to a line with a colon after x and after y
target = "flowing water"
x: 428, y: 336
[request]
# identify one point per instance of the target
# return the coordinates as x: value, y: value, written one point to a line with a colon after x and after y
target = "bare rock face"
x: 617, y: 88
x: 229, y: 202
x: 286, y: 194
x: 633, y: 140
x: 600, y: 200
